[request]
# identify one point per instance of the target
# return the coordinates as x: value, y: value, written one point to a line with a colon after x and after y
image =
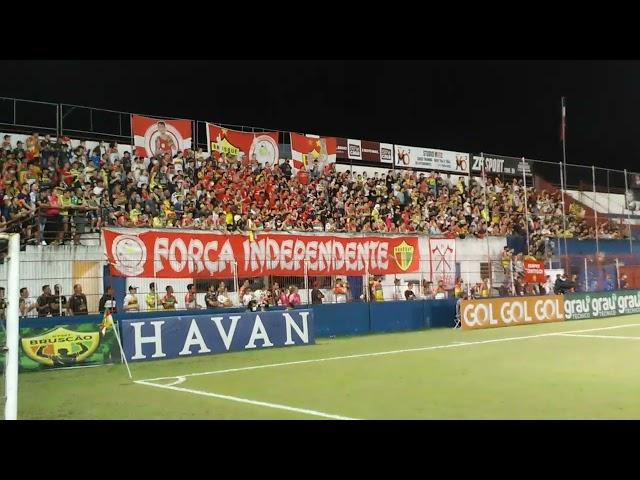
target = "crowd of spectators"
x: 250, y: 295
x: 56, y: 192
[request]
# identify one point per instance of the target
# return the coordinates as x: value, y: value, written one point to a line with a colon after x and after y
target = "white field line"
x: 598, y: 336
x: 177, y: 382
x: 245, y: 400
x: 390, y: 352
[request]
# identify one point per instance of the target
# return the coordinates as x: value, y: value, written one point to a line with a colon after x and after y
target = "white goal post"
x: 12, y: 332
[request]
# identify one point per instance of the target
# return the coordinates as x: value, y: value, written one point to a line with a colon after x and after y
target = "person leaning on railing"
x: 78, y: 301
x: 152, y: 299
x: 316, y: 294
x: 45, y: 301
x: 408, y: 293
x: 130, y: 302
x: 190, y: 299
x: 340, y: 291
x: 211, y: 298
x: 169, y: 300
x: 107, y: 301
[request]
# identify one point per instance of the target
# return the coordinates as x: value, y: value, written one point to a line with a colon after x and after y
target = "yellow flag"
x: 107, y: 321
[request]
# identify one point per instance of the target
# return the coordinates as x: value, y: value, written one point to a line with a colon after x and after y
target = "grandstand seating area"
x: 54, y: 192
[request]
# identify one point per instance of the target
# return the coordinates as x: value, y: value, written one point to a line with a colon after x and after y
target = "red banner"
x: 533, y: 271
x: 180, y: 254
x: 154, y: 137
x: 307, y: 148
x: 264, y: 145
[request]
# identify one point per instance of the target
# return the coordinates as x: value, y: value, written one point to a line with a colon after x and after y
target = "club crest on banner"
x: 129, y: 254
x: 443, y: 260
x: 61, y: 347
x: 403, y: 255
x: 265, y: 149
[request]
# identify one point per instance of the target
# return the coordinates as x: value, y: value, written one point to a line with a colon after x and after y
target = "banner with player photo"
x: 152, y: 136
x: 243, y: 145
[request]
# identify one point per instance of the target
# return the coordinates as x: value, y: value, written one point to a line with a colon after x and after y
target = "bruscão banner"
x: 65, y: 345
x: 188, y: 335
x: 504, y: 312
x: 164, y: 254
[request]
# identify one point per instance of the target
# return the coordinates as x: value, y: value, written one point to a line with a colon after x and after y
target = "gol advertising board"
x: 582, y: 305
x: 509, y: 311
x: 60, y: 346
x: 189, y: 335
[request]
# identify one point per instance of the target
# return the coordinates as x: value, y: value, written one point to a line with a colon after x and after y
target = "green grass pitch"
x: 524, y: 372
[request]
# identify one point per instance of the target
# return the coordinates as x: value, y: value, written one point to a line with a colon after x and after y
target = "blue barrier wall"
x: 329, y: 319
x: 341, y: 319
x: 440, y: 313
x: 397, y: 316
x: 188, y: 335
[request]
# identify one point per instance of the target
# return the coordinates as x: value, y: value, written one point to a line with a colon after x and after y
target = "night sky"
x: 501, y: 107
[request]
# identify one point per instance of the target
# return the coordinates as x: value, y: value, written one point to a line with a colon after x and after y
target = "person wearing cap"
x: 130, y: 303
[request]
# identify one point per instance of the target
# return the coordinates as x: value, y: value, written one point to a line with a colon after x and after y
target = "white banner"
x: 431, y: 159
x: 442, y: 254
x: 386, y: 153
x: 354, y: 149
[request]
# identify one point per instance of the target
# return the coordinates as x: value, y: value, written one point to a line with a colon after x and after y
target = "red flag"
x: 305, y: 149
x: 264, y: 145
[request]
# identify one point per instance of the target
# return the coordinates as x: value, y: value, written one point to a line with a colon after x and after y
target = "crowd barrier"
x: 186, y: 335
x: 327, y: 320
x: 509, y: 311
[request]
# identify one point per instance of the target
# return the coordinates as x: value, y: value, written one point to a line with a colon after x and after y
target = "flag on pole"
x: 107, y: 321
x: 564, y: 120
